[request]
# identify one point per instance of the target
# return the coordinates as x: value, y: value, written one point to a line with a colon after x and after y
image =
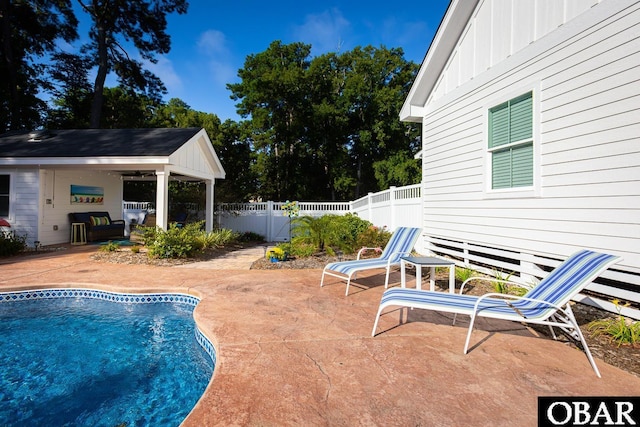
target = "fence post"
x: 392, y: 204
x: 269, y: 219
x: 370, y: 206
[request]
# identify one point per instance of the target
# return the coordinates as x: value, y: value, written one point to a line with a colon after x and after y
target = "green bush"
x: 176, y: 242
x: 148, y: 234
x: 618, y: 328
x: 373, y: 237
x: 110, y: 247
x: 184, y: 242
x: 464, y: 273
x: 215, y: 239
x: 250, y: 236
x: 352, y: 232
x: 11, y: 244
x: 331, y: 233
x: 299, y: 250
x: 320, y: 232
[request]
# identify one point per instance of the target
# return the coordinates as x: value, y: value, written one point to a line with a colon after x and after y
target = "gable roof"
x: 96, y: 142
x: 185, y: 151
x: 444, y: 42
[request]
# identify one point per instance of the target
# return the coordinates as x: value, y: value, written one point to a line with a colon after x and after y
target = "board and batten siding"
x: 585, y: 78
x: 499, y: 29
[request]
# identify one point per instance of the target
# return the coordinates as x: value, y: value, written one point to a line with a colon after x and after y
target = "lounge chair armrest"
x: 515, y: 298
x: 118, y: 221
x: 367, y: 249
x: 493, y: 279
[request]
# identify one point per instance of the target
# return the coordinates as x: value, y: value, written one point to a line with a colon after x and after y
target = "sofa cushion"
x: 81, y: 217
x: 99, y: 220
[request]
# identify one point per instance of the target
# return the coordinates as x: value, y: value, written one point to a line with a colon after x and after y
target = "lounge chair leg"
x: 386, y: 280
x: 322, y: 280
x: 346, y: 293
x: 471, y: 323
x: 569, y: 313
x: 375, y: 324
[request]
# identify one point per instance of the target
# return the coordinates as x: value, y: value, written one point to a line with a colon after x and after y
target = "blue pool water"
x: 91, y: 362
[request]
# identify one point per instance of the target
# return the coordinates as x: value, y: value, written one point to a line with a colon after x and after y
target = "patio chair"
x: 547, y: 303
x: 400, y: 244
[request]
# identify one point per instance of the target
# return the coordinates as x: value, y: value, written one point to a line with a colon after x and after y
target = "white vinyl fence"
x: 392, y: 208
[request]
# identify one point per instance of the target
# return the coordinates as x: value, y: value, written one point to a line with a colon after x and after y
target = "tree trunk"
x: 98, y: 87
x: 15, y: 121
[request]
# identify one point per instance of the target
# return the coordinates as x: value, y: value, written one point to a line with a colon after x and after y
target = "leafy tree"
x: 319, y: 125
x: 116, y: 22
x: 235, y: 152
x: 124, y: 108
x: 71, y: 92
x: 273, y: 91
x: 28, y: 32
x: 375, y: 87
x: 397, y: 170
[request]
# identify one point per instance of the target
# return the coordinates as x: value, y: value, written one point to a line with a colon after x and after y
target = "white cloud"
x: 165, y: 71
x: 213, y: 42
x: 213, y: 47
x: 325, y: 31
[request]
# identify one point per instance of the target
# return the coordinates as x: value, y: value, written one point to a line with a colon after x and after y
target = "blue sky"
x: 211, y: 41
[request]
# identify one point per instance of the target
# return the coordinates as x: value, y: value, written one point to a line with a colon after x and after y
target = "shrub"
x: 148, y: 234
x: 215, y: 239
x: 110, y: 247
x: 618, y: 328
x: 351, y: 228
x: 507, y: 288
x: 184, y: 242
x: 135, y: 249
x: 321, y: 233
x: 176, y: 242
x: 10, y: 244
x: 373, y: 237
x: 250, y: 236
x: 300, y: 250
x: 331, y: 233
x: 464, y: 273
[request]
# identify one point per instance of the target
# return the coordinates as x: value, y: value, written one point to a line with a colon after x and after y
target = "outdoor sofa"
x: 99, y: 225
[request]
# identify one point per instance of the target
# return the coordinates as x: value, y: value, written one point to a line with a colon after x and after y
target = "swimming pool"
x: 86, y: 357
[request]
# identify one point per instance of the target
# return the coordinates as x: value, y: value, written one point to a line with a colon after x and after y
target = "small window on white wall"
x: 5, y: 181
x: 511, y: 143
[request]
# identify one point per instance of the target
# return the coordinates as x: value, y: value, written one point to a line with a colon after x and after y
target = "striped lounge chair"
x: 547, y: 303
x: 401, y: 244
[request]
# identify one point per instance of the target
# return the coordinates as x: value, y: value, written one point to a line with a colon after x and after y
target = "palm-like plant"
x: 320, y: 232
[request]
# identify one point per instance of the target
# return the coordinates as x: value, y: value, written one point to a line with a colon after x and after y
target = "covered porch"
x: 46, y: 169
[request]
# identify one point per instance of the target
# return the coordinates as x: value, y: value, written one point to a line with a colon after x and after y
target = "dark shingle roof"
x: 96, y: 143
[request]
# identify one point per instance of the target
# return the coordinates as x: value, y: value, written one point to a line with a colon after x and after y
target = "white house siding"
x: 500, y: 28
x: 56, y: 187
x: 25, y: 203
x: 584, y: 76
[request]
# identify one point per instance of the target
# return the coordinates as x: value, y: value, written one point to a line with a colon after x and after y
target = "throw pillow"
x: 99, y: 220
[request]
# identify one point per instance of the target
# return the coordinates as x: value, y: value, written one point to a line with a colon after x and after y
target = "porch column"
x: 209, y: 208
x: 162, y: 199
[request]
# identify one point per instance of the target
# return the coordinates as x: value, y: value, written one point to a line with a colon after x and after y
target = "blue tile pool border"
x: 123, y: 298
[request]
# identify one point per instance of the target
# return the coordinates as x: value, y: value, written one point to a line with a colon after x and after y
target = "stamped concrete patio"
x: 292, y: 353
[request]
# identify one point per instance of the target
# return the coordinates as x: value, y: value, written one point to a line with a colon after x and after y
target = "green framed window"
x: 511, y: 143
x: 5, y: 181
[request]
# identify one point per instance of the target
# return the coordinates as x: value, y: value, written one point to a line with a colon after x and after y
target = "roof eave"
x: 444, y: 42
